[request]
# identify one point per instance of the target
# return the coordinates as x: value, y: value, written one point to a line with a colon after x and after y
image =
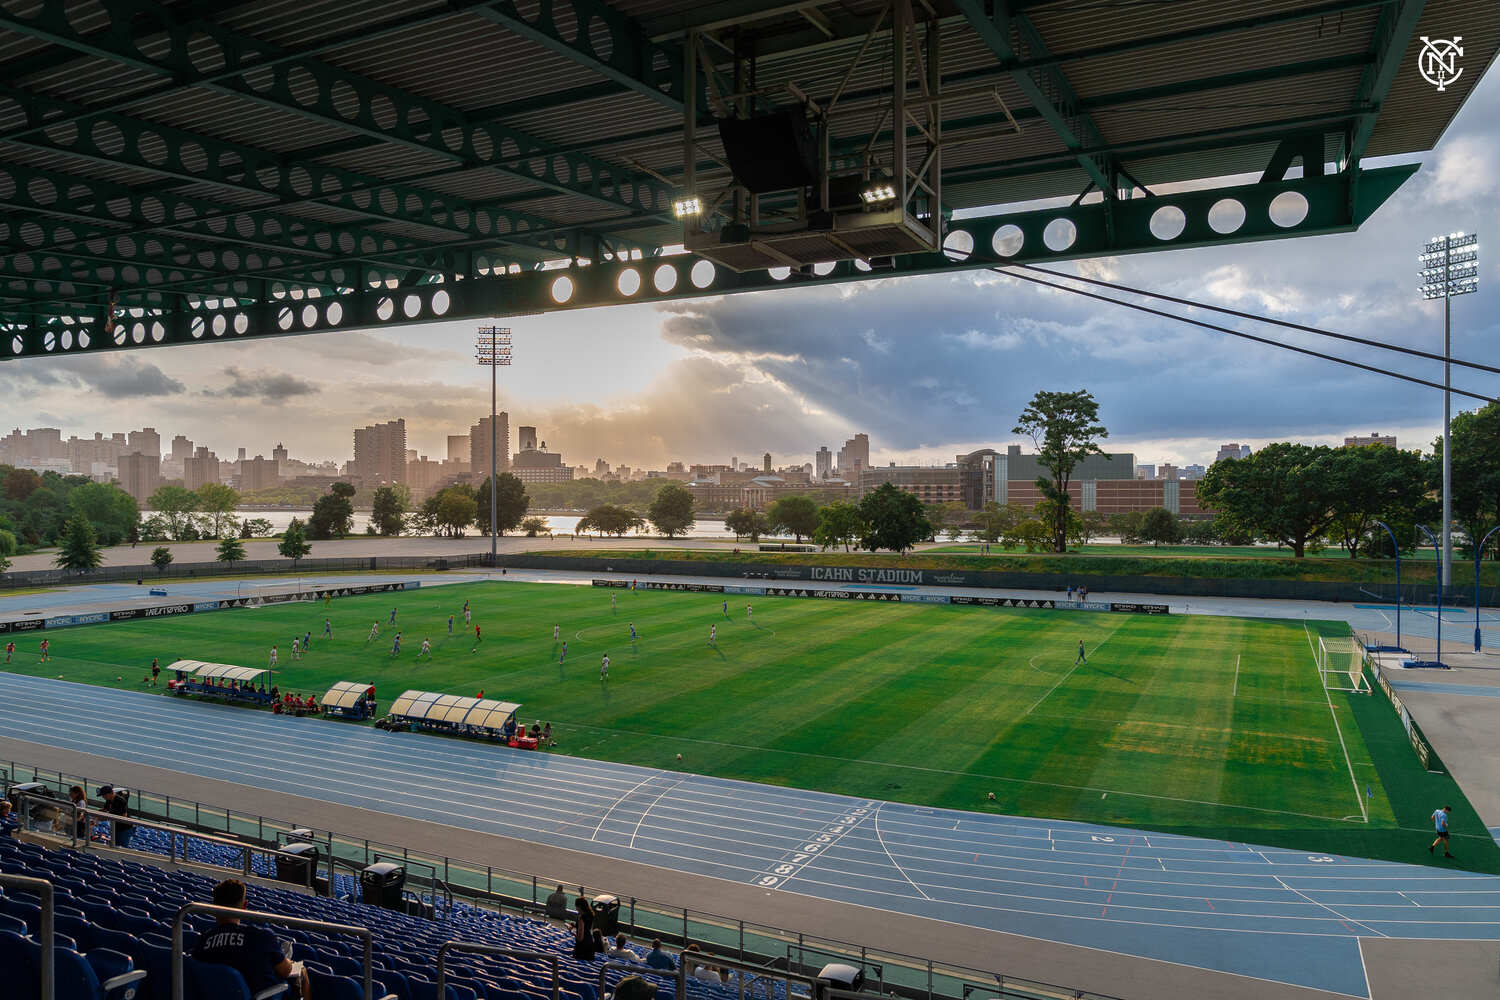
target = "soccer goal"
x: 1341, y: 664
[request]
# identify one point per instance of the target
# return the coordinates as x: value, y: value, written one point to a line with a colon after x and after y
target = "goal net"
x: 1341, y: 664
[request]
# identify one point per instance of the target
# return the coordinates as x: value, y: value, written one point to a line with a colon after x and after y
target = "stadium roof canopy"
x: 179, y: 171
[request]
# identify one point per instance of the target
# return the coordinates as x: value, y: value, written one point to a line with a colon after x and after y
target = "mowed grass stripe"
x: 917, y: 703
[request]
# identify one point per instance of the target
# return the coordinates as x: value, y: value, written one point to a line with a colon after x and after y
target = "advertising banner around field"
x: 206, y: 606
x: 736, y: 589
x: 694, y: 588
x: 1139, y: 609
x: 1414, y: 734
x: 925, y: 599
x: 1004, y: 602
x: 25, y: 625
x: 832, y: 595
x: 623, y: 584
x: 63, y: 621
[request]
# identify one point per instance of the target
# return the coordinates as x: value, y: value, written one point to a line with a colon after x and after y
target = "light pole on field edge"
x: 1438, y: 662
x: 1396, y: 548
x: 492, y: 348
x: 1449, y: 267
x: 1478, y: 558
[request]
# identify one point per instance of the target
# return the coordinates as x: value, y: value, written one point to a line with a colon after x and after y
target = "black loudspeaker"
x: 771, y: 152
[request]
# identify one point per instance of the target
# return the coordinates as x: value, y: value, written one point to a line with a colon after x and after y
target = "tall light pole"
x: 492, y: 348
x: 1450, y: 266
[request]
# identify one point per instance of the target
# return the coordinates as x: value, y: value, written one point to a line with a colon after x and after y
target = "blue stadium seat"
x: 75, y: 978
x: 206, y: 981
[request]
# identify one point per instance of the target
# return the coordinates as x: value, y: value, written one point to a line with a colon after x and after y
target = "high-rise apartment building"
x: 1232, y: 451
x: 261, y: 473
x: 823, y: 462
x: 854, y: 457
x: 279, y: 453
x: 140, y: 475
x: 479, y: 446
x: 182, y: 448
x: 458, y: 448
x: 146, y: 441
x: 380, y: 454
x: 1389, y: 440
x: 202, y: 466
x: 526, y: 438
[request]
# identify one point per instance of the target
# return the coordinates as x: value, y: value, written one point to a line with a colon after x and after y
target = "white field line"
x: 1364, y: 813
x: 1235, y: 693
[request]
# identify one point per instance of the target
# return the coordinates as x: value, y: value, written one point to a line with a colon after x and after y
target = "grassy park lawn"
x: 1209, y: 726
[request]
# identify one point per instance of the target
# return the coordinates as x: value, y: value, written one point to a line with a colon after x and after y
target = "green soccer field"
x: 1211, y: 726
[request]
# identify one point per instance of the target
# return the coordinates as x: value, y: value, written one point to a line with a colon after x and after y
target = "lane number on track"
x: 1320, y: 859
x: 1101, y: 840
x: 788, y: 867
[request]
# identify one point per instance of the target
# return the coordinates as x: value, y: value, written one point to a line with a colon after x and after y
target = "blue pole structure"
x: 1396, y: 548
x: 1438, y: 546
x: 1479, y: 555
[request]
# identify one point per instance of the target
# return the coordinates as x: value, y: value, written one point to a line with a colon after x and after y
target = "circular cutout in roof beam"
x: 823, y: 268
x: 779, y: 273
x: 412, y: 306
x: 629, y: 281
x: 1060, y: 234
x: 665, y: 278
x: 703, y: 274
x: 1008, y: 240
x: 1288, y: 209
x: 385, y: 308
x: 441, y: 302
x: 959, y: 245
x: 1168, y: 222
x: 562, y: 289
x: 1226, y: 216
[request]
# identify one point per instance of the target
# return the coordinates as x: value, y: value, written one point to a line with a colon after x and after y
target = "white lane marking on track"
x: 616, y: 802
x: 647, y: 811
x: 888, y: 853
x: 1341, y: 917
x: 1358, y: 798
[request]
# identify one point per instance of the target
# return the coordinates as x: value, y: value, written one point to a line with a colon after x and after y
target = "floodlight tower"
x: 492, y: 348
x: 1450, y: 266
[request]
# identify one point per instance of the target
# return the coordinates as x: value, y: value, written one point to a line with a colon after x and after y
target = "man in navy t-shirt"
x: 249, y: 949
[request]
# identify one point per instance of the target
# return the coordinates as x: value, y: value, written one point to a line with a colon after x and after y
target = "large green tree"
x: 450, y: 511
x: 78, y: 547
x: 671, y: 511
x: 231, y: 550
x: 995, y: 520
x: 161, y: 558
x: 511, y: 503
x: 1375, y: 483
x: 388, y: 512
x: 1285, y: 492
x: 892, y: 519
x: 1476, y: 470
x: 111, y: 511
x: 747, y: 522
x: 177, y: 507
x: 796, y: 516
x: 610, y: 519
x: 217, y: 503
x: 839, y: 523
x: 1160, y: 525
x: 332, y: 513
x: 1065, y: 428
x: 293, y: 544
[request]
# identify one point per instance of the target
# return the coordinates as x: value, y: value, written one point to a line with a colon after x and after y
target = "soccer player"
x: 611, y: 602
x: 273, y: 658
x: 467, y: 621
x: 450, y: 624
x: 328, y: 628
x: 564, y: 655
x: 307, y: 640
x: 556, y: 631
x: 749, y: 612
x: 1082, y: 657
x: 46, y: 650
x: 426, y: 649
x: 327, y: 600
x: 713, y: 634
x: 396, y: 645
x: 477, y: 636
x: 726, y: 608
x: 10, y: 650
x: 155, y: 670
x: 604, y: 668
x: 633, y: 635
x: 1440, y: 823
x: 393, y: 617
x: 296, y: 649
x: 374, y: 632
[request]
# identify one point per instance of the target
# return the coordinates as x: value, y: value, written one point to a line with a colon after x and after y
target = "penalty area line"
x: 1236, y: 691
x: 1358, y: 798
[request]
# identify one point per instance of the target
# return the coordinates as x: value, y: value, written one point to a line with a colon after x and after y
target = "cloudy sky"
x: 928, y: 367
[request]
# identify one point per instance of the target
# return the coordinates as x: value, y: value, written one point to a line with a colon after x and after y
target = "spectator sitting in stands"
x: 658, y: 959
x: 557, y: 905
x: 8, y: 823
x: 75, y: 796
x: 599, y: 943
x: 249, y: 949
x: 622, y: 951
x: 692, y: 958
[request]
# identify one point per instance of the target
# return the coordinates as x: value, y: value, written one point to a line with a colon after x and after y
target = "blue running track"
x: 1263, y: 912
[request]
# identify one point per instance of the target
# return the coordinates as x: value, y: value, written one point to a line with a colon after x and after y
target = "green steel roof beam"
x: 325, y: 93
x: 629, y: 58
x: 1393, y: 32
x: 1044, y: 86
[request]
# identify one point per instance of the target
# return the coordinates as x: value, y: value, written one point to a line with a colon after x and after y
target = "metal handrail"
x: 247, y: 850
x: 363, y: 933
x: 761, y: 971
x: 43, y: 888
x: 486, y: 949
x: 433, y: 881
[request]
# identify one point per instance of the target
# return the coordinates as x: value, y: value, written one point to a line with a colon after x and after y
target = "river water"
x: 562, y: 524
